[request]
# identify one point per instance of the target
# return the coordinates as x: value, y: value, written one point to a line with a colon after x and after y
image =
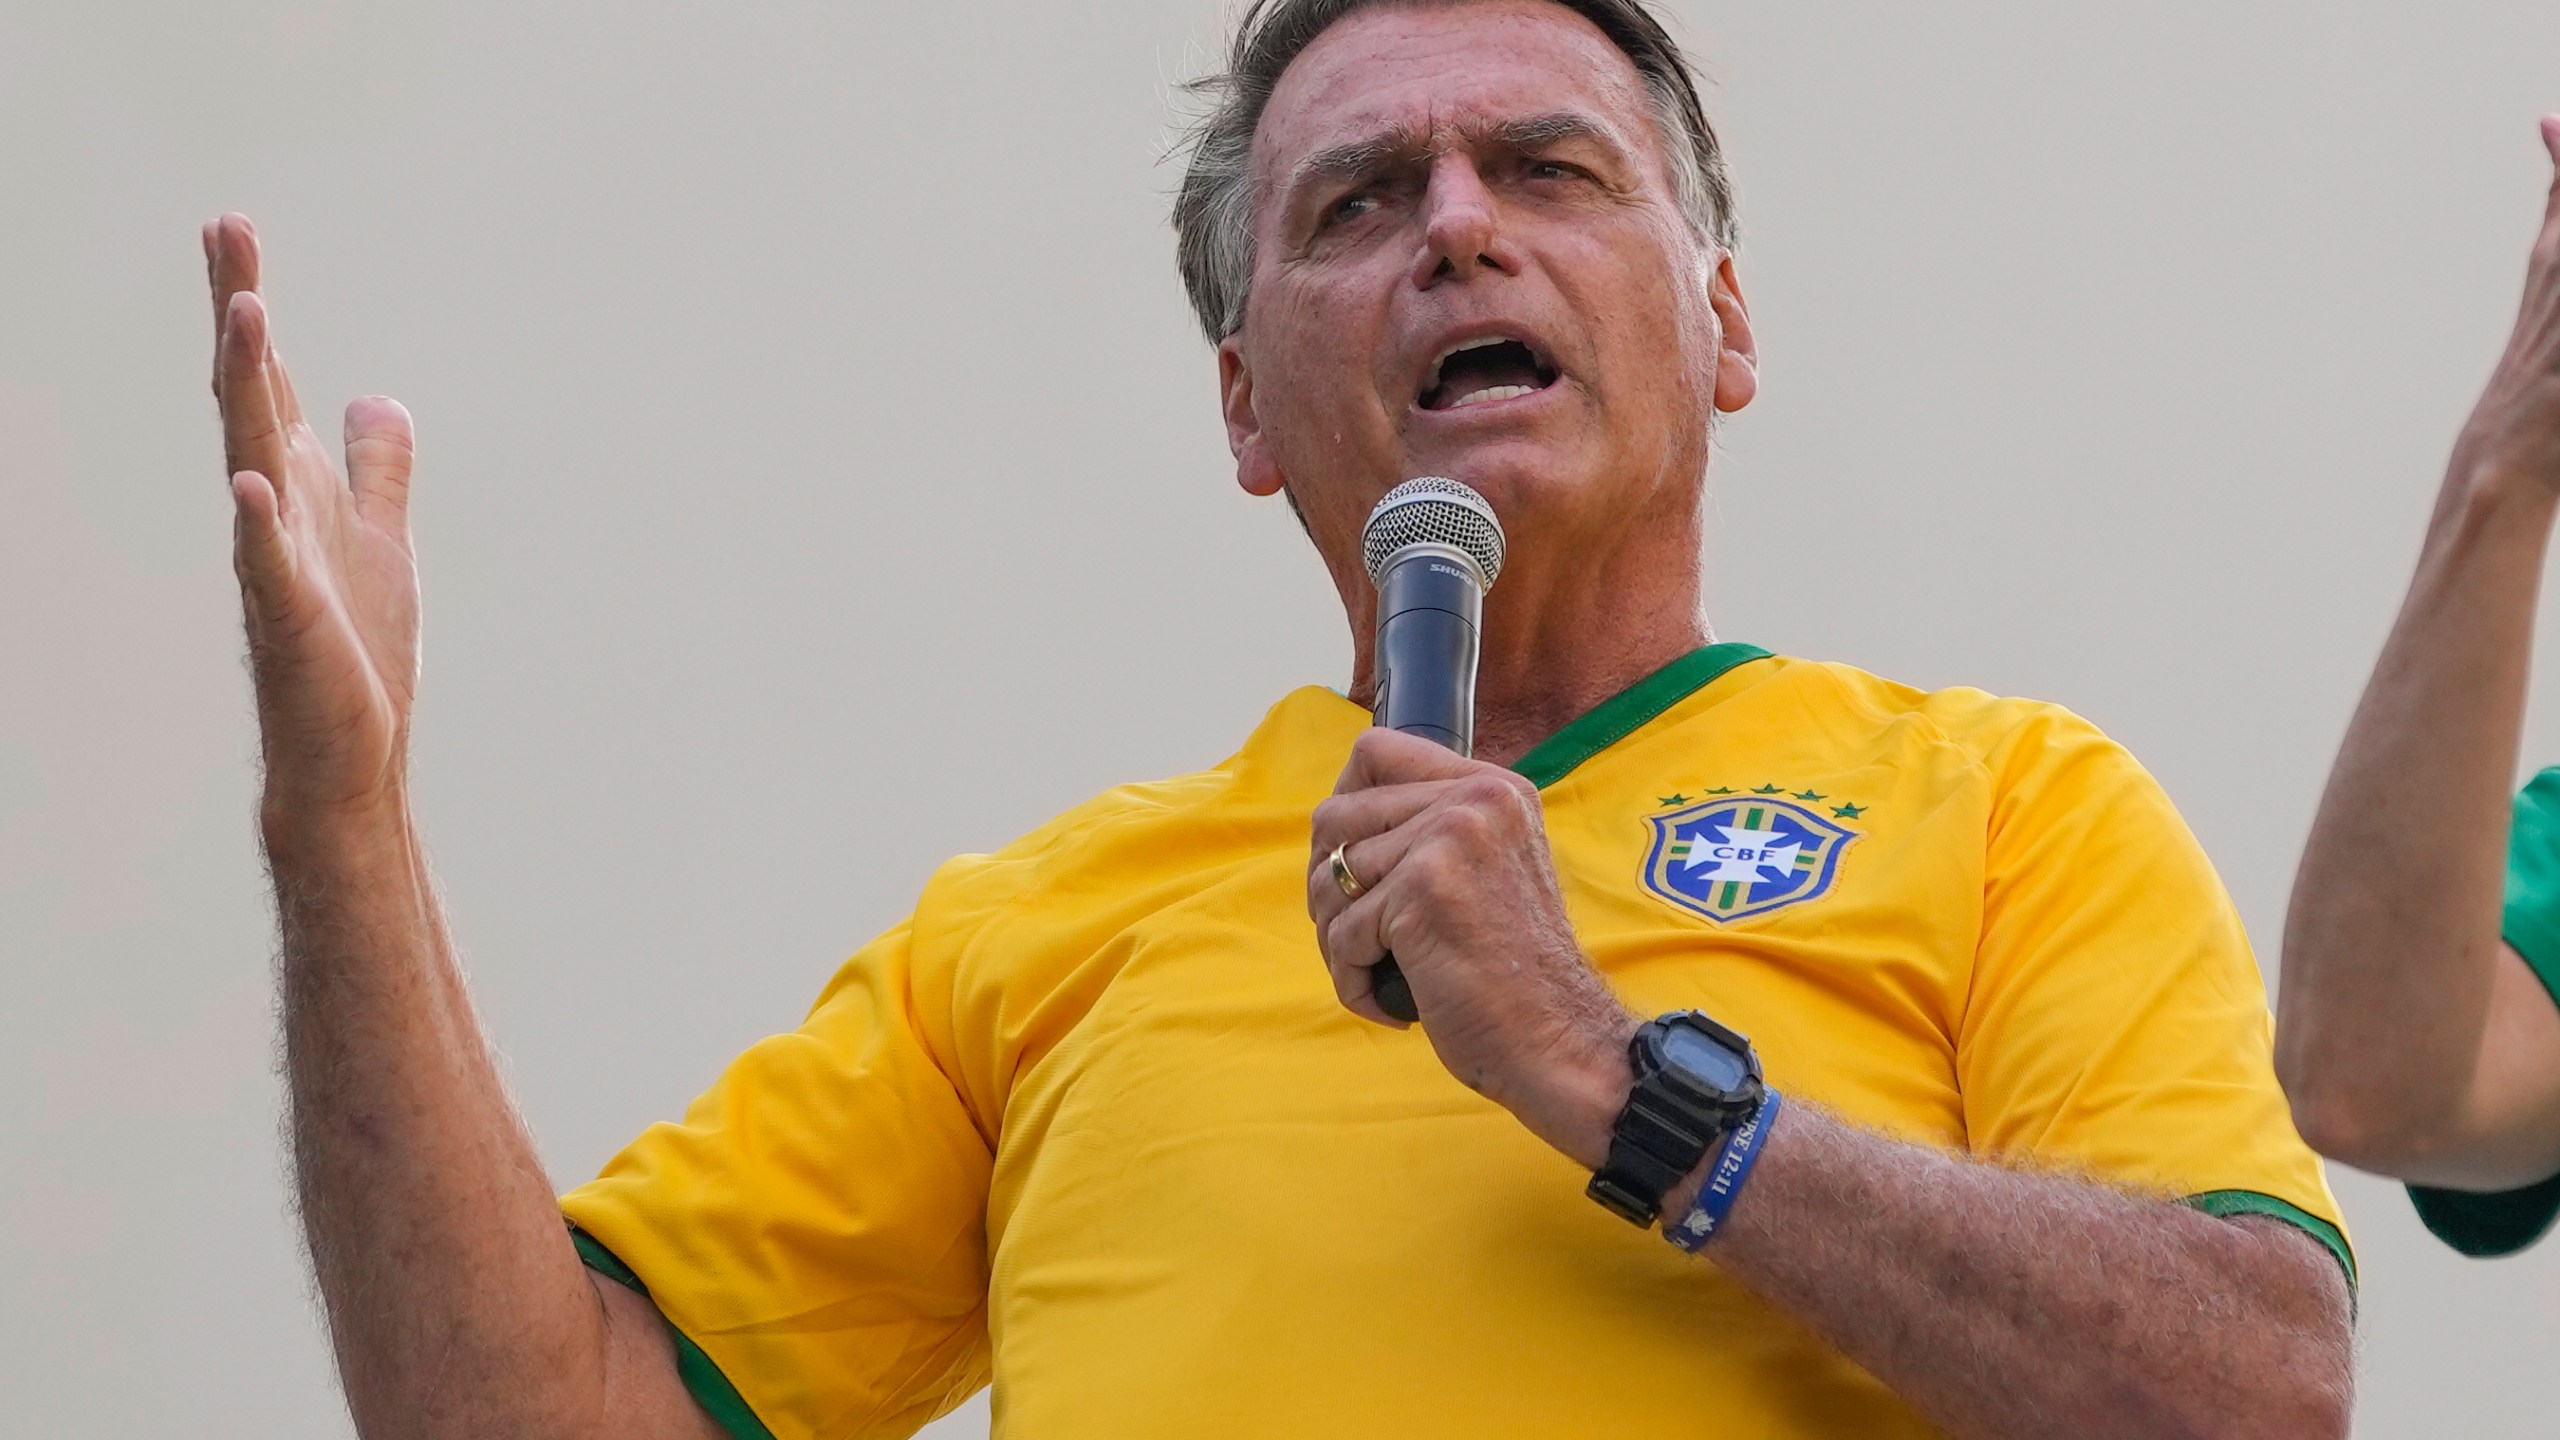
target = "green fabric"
x: 710, y: 1388
x: 2503, y: 1222
x: 2532, y: 920
x: 2223, y: 1204
x: 1626, y: 712
x: 2485, y: 1226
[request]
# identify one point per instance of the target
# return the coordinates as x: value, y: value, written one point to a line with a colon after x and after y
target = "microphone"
x: 1433, y: 548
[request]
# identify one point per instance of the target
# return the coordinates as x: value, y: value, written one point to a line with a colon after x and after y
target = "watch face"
x: 1713, y: 1066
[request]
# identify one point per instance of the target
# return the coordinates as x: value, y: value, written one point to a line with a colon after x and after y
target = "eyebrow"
x: 1365, y: 156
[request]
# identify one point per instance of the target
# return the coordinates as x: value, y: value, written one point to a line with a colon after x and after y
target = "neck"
x: 1564, y: 631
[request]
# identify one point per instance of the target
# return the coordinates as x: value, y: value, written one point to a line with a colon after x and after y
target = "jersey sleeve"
x: 813, y: 1229
x: 2117, y: 1027
x: 2505, y: 1221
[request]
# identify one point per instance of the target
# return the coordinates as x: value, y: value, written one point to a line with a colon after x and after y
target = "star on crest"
x: 1847, y: 812
x: 1808, y: 793
x: 1770, y: 790
x: 1675, y: 798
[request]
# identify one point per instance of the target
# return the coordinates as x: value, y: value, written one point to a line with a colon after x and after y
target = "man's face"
x: 1471, y: 261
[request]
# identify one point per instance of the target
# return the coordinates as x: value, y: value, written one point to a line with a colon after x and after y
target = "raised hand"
x: 2513, y: 435
x: 328, y: 579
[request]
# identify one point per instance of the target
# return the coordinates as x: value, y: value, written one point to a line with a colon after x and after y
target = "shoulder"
x: 2008, y: 737
x: 1130, y: 841
x: 1116, y: 831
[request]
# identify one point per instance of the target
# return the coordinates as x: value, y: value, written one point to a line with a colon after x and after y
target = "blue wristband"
x: 1724, y: 1179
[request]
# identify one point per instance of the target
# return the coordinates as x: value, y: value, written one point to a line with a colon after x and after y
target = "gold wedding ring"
x: 1348, y: 883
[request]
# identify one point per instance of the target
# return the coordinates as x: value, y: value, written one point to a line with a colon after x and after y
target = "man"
x: 1108, y: 1120
x: 2418, y: 1036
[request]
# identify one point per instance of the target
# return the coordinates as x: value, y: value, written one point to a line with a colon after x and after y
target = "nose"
x: 1462, y: 234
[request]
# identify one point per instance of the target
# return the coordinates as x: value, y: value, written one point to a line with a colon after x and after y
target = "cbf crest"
x: 1745, y: 855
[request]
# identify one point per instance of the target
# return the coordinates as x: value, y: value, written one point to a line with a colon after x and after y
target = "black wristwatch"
x: 1695, y: 1081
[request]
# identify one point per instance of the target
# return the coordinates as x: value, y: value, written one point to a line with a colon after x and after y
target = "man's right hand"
x: 328, y: 579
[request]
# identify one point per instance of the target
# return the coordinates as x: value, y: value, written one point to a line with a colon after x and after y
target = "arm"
x: 2391, y: 946
x: 2010, y: 1304
x: 455, y: 1301
x: 2003, y: 1304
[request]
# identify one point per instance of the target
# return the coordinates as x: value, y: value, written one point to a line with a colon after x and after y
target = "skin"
x: 2002, y: 1304
x: 2412, y: 1040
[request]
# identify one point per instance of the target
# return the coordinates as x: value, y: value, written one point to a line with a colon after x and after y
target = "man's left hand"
x: 1456, y: 882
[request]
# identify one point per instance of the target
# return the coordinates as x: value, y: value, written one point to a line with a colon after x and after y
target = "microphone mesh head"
x: 1432, y: 511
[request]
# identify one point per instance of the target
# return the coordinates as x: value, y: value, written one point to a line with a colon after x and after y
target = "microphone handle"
x: 1426, y: 666
x: 1387, y: 984
x: 1393, y: 993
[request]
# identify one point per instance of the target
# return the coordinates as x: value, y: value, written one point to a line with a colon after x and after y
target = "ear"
x: 1256, y: 470
x: 1738, y: 361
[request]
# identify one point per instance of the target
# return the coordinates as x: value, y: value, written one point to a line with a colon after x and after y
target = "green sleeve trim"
x: 2223, y: 1204
x: 1628, y: 711
x: 710, y: 1388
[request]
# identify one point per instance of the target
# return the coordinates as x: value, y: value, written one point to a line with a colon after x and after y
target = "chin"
x: 1517, y: 476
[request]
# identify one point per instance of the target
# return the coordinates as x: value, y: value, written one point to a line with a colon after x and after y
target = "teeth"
x: 1463, y: 349
x: 1492, y: 393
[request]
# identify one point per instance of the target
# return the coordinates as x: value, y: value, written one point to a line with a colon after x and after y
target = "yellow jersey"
x: 1091, y: 1125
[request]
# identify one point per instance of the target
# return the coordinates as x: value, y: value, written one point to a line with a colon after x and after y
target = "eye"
x: 1553, y: 170
x: 1350, y: 207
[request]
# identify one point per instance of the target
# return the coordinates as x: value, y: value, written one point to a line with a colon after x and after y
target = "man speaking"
x: 1917, y: 1022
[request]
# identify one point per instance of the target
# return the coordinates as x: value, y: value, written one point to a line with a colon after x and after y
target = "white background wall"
x: 820, y: 476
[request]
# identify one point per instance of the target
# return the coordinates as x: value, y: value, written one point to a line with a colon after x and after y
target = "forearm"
x: 2392, y: 940
x: 455, y: 1302
x: 2004, y: 1304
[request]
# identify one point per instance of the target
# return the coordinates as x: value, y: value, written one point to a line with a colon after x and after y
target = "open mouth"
x: 1481, y: 372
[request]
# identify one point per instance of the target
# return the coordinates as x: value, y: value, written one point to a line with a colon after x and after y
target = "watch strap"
x: 1657, y: 1140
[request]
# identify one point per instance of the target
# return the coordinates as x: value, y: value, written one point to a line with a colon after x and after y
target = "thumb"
x: 382, y: 445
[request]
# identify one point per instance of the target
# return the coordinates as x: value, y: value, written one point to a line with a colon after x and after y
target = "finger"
x: 1352, y: 950
x: 1370, y: 861
x: 280, y: 384
x: 1344, y: 818
x: 382, y: 446
x: 1384, y: 757
x: 1376, y: 828
x: 231, y: 262
x: 235, y: 264
x: 212, y: 237
x: 252, y: 436
x: 261, y: 553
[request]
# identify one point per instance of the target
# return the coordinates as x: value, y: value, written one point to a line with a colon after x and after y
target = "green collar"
x: 1628, y: 711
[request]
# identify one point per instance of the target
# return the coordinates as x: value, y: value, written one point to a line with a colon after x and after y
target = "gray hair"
x: 1213, y: 212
